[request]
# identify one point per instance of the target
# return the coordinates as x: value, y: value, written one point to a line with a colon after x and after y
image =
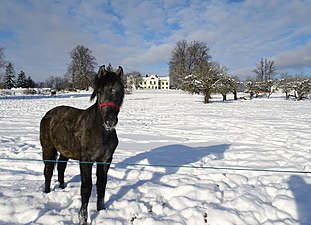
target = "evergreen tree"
x: 21, y: 80
x: 110, y: 68
x: 30, y: 83
x: 8, y: 80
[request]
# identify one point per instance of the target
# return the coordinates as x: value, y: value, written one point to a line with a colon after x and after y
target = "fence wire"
x: 225, y: 168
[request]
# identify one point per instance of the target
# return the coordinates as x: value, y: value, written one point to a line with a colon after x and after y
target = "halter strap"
x: 110, y: 104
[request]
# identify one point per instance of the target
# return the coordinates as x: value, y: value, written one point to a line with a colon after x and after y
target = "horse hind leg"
x: 61, y: 166
x: 49, y: 157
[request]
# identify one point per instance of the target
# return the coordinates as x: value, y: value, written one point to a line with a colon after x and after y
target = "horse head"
x: 109, y: 89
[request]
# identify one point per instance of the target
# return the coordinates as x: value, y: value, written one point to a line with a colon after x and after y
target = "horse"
x: 88, y: 136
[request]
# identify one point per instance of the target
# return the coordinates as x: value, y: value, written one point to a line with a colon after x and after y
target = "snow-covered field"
x: 169, y: 128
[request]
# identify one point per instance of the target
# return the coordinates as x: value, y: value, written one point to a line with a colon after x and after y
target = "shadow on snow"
x: 172, y: 155
x: 302, y: 194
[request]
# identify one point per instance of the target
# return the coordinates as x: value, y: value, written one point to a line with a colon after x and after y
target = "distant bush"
x: 29, y: 91
x: 5, y: 92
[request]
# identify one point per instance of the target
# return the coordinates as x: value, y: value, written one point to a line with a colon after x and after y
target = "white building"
x: 155, y: 82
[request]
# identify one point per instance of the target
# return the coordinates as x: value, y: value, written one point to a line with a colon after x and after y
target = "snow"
x: 176, y: 129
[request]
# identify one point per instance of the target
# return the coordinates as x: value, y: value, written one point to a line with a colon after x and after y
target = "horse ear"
x: 120, y: 72
x: 101, y: 72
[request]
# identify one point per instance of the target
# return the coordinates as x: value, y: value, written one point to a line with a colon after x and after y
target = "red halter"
x: 111, y: 104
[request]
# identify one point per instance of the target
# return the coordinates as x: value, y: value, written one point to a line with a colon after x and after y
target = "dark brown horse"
x: 85, y: 135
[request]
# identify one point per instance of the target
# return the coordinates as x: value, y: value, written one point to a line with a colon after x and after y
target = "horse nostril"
x: 107, y: 123
x: 110, y: 122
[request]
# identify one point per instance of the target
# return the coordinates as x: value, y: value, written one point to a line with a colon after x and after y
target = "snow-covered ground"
x: 169, y: 128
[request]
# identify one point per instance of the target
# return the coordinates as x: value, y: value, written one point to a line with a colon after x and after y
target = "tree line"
x: 8, y: 80
x: 79, y: 75
x: 192, y: 69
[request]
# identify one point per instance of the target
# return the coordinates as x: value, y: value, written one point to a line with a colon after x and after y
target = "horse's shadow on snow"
x: 172, y: 155
x: 302, y: 194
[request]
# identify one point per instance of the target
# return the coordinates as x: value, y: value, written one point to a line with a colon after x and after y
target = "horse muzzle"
x: 110, y: 123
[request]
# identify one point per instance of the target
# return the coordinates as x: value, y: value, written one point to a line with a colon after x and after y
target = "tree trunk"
x: 224, y: 97
x: 251, y: 95
x: 235, y: 95
x: 207, y: 98
x: 299, y: 97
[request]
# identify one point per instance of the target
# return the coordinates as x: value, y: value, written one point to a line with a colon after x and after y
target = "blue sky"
x: 140, y: 35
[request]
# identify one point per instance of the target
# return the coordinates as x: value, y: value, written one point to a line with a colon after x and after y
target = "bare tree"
x: 205, y: 79
x: 134, y: 79
x: 235, y: 85
x: 285, y: 84
x: 185, y: 59
x: 81, y: 69
x: 57, y: 83
x: 227, y: 84
x: 191, y: 69
x: 222, y: 87
x: 265, y: 76
x: 250, y: 87
x: 178, y: 64
x: 301, y: 84
x: 223, y: 84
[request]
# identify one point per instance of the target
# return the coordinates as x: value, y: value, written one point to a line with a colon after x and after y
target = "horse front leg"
x: 101, y: 173
x: 86, y: 188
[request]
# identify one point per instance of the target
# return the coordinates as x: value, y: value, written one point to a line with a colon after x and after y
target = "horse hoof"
x: 83, y: 223
x: 101, y: 206
x: 62, y: 185
x: 82, y: 220
x: 83, y: 216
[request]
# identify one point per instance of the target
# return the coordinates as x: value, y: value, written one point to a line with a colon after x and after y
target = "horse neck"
x: 94, y: 115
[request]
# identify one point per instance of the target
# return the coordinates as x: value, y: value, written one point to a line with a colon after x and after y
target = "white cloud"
x: 153, y: 56
x: 296, y: 58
